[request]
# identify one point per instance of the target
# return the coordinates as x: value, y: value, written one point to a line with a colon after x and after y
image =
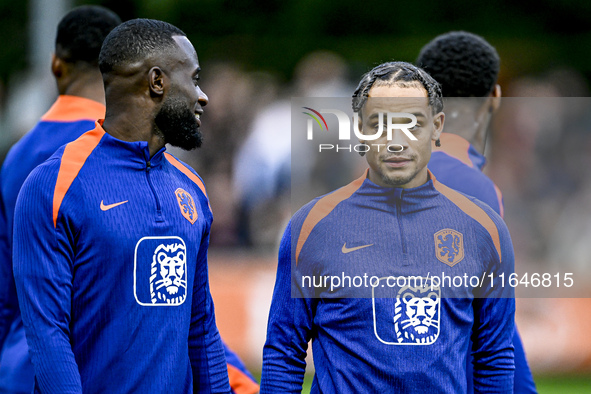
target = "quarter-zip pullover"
x: 390, y: 337
x: 110, y: 264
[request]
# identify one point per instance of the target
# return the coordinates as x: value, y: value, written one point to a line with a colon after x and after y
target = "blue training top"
x: 390, y: 337
x: 67, y: 119
x: 114, y: 289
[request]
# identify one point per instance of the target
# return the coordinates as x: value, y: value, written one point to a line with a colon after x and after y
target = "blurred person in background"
x: 231, y: 112
x: 81, y: 102
x: 542, y: 144
x: 467, y: 68
x: 263, y: 166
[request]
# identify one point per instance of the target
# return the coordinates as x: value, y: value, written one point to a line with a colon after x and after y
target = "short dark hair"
x: 401, y: 73
x: 81, y: 33
x: 465, y: 64
x: 135, y: 40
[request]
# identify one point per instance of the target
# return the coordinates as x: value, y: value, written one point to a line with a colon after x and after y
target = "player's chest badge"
x: 186, y: 204
x: 449, y: 246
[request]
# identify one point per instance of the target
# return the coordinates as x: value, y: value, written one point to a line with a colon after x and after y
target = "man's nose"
x: 399, y: 138
x: 203, y: 99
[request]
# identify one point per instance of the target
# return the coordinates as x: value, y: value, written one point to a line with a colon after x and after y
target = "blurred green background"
x: 273, y: 35
x: 578, y: 384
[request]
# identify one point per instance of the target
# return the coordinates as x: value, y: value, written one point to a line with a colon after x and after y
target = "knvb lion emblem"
x: 417, y: 315
x: 168, y: 282
x: 160, y: 271
x: 449, y: 246
x: 409, y: 314
x: 186, y: 204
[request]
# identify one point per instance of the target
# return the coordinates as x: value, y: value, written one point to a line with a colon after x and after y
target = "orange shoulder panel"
x: 323, y: 207
x: 73, y: 108
x: 182, y: 168
x: 74, y: 157
x: 500, y: 198
x: 240, y: 383
x: 455, y: 146
x: 472, y: 210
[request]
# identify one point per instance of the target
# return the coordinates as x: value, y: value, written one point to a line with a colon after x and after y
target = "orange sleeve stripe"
x: 73, y: 108
x: 186, y: 171
x: 500, y: 198
x: 322, y: 208
x: 74, y: 157
x: 454, y: 146
x: 472, y: 210
x: 240, y: 383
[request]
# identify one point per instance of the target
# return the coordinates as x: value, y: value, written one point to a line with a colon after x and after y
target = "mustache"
x: 397, y: 156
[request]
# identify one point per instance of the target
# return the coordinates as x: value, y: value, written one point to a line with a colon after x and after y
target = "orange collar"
x: 73, y: 108
x: 454, y: 146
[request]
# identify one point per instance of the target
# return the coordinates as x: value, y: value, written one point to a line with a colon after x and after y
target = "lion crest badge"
x: 169, y: 284
x: 186, y: 204
x: 449, y: 246
x: 417, y: 315
x: 407, y: 315
x: 160, y: 271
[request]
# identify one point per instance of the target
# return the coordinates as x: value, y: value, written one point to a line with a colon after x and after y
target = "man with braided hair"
x: 467, y: 67
x: 395, y: 222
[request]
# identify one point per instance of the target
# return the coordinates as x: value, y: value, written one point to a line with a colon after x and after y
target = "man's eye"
x: 196, y: 81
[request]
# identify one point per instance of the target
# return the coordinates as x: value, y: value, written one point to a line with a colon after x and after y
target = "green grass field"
x: 563, y: 384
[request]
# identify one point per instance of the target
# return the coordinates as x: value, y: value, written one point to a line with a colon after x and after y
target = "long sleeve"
x: 494, y: 325
x: 43, y: 270
x: 289, y: 330
x: 8, y: 298
x: 206, y: 351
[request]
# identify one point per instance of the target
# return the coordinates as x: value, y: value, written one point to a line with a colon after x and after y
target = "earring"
x: 438, y: 143
x: 361, y: 154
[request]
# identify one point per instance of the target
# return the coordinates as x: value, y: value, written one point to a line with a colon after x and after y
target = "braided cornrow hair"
x: 398, y: 73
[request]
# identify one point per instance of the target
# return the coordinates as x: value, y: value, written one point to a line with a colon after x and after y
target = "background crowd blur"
x: 256, y: 55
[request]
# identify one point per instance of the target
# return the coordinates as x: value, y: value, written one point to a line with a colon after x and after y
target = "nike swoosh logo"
x: 107, y: 207
x: 349, y: 250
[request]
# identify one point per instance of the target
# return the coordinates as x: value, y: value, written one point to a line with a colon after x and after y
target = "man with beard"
x: 111, y: 235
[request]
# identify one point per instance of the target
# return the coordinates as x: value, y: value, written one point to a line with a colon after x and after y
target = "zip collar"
x: 136, y: 152
x: 413, y: 197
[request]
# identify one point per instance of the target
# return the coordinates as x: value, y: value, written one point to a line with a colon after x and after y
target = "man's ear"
x: 438, y: 121
x: 496, y: 98
x: 57, y: 66
x: 156, y: 81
